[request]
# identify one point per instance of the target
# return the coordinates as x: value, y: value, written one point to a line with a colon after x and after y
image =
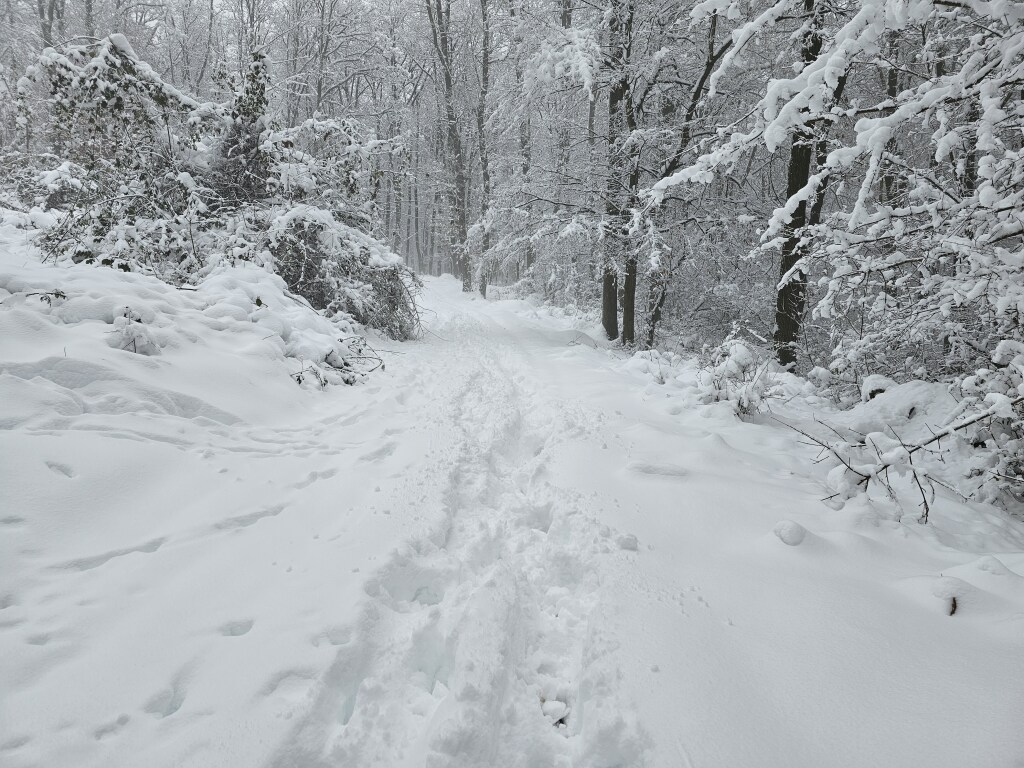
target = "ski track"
x: 476, y: 644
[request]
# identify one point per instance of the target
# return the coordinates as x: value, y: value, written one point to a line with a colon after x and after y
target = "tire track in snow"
x: 477, y: 644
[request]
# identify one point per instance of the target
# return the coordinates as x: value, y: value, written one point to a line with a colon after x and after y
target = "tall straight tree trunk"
x: 609, y: 303
x: 90, y: 19
x: 619, y: 174
x: 399, y: 194
x: 47, y: 10
x: 791, y: 299
x: 432, y: 253
x: 525, y: 155
x: 440, y: 15
x: 629, y: 301
x: 481, y: 131
x: 564, y: 134
x: 414, y: 191
x: 407, y: 241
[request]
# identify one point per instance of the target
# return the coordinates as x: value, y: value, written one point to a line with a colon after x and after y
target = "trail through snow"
x: 475, y: 646
x: 508, y: 549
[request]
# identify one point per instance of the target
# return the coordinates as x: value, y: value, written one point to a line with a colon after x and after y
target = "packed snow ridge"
x: 514, y: 545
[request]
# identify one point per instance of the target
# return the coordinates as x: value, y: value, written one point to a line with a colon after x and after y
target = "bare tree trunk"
x: 481, y: 131
x: 620, y: 177
x: 417, y: 225
x: 791, y: 299
x: 524, y: 124
x: 90, y: 19
x: 564, y: 153
x: 629, y: 301
x: 47, y: 10
x: 440, y: 15
x: 408, y: 241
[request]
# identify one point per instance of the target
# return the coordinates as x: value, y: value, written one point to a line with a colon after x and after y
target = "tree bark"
x: 609, y: 310
x: 440, y: 15
x: 90, y: 19
x: 629, y: 301
x: 481, y: 131
x: 47, y: 12
x: 791, y: 299
x: 621, y: 178
x: 525, y: 156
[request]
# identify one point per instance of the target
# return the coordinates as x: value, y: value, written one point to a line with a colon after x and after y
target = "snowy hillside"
x: 510, y: 546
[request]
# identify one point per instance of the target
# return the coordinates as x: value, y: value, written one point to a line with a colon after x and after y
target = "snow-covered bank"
x: 510, y: 548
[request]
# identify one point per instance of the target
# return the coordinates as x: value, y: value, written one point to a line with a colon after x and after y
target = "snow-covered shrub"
x: 169, y: 186
x: 340, y: 269
x: 42, y: 180
x: 738, y: 373
x: 915, y: 437
x: 995, y: 397
x: 127, y: 142
x: 131, y: 335
x: 874, y: 385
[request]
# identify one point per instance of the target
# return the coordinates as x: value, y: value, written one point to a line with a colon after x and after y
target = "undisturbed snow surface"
x: 513, y: 547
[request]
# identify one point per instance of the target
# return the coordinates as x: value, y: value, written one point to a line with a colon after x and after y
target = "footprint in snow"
x: 380, y: 453
x: 407, y: 585
x: 657, y: 469
x: 168, y: 701
x: 289, y: 682
x: 60, y: 469
x: 333, y: 635
x: 244, y: 521
x: 111, y: 728
x: 95, y: 561
x: 628, y: 542
x: 312, y: 477
x: 236, y: 628
x: 16, y: 743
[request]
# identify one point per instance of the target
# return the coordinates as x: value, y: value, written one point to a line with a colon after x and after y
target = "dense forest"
x: 835, y: 186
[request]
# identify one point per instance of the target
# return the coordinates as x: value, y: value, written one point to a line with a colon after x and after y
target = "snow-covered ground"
x: 512, y: 547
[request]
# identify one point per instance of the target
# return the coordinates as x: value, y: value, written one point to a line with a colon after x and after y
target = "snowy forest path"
x: 475, y: 645
x: 516, y: 547
x: 602, y: 585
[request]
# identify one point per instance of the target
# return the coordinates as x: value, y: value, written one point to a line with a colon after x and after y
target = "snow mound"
x: 790, y: 533
x: 874, y: 385
x: 96, y: 318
